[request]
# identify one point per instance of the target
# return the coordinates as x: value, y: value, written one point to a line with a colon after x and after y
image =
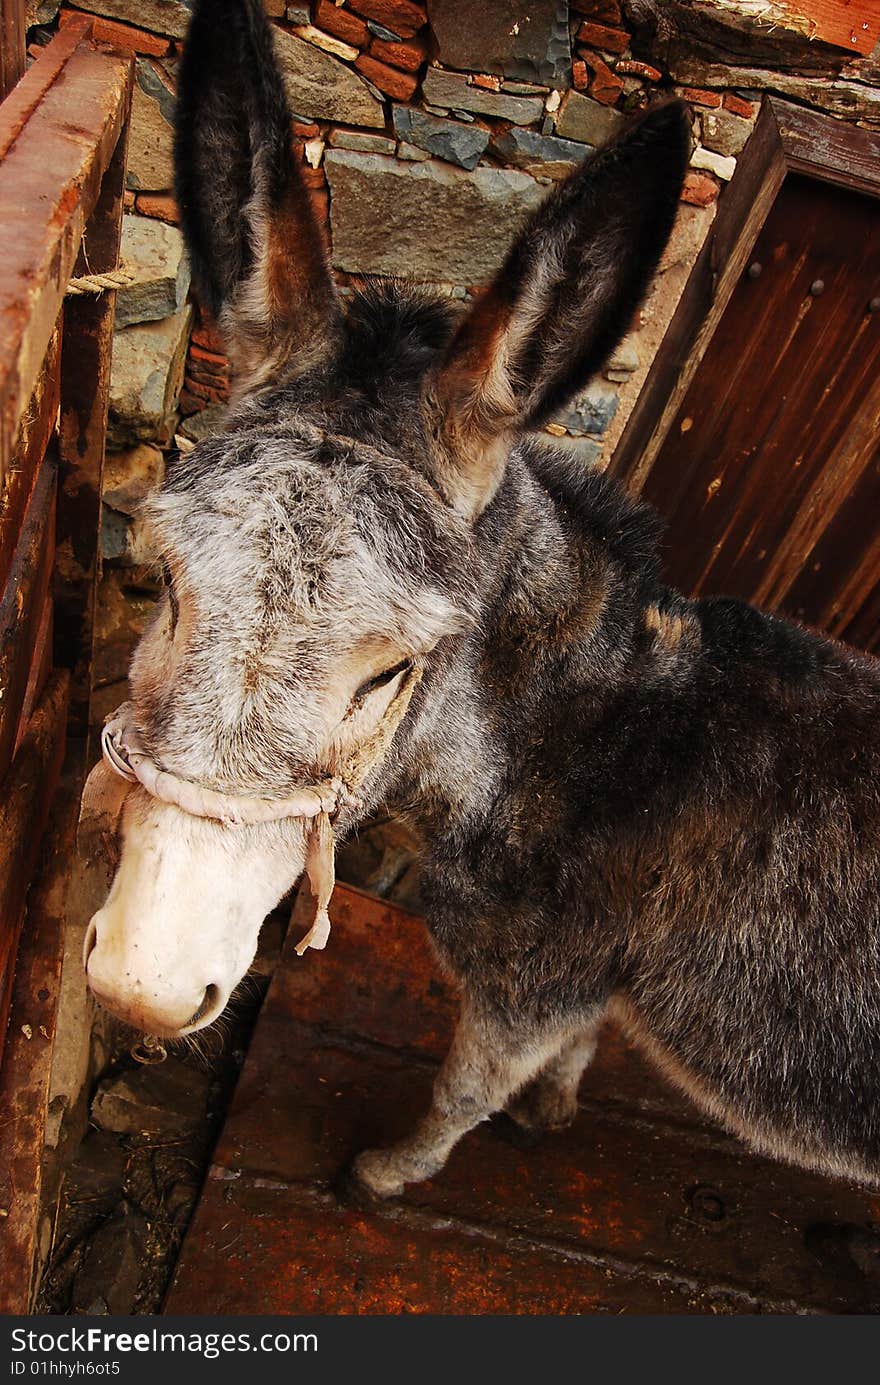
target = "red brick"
x: 485, y: 81
x: 408, y: 55
x: 303, y: 131
x: 211, y: 394
x: 698, y: 97
x: 160, y: 205
x: 600, y: 36
x: 121, y: 35
x: 637, y: 69
x: 206, y: 335
x: 189, y: 404
x: 738, y: 106
x: 341, y: 24
x: 209, y: 357
x: 579, y: 75
x: 400, y: 16
x: 600, y: 11
x: 400, y: 85
x: 699, y: 189
x: 604, y: 87
x: 128, y: 199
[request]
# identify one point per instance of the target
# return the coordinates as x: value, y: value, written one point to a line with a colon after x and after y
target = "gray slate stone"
x: 428, y: 221
x: 153, y: 1100
x: 170, y: 17
x: 586, y: 120
x: 108, y: 1279
x: 323, y: 88
x: 454, y: 92
x: 411, y: 154
x: 364, y: 144
x: 541, y: 155
x: 130, y: 476
x: 145, y: 378
x: 591, y: 412
x: 724, y: 132
x: 150, y: 165
x: 446, y: 139
x: 154, y: 252
x: 529, y: 42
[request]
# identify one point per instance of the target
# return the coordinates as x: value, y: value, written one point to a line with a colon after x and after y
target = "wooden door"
x: 769, y: 475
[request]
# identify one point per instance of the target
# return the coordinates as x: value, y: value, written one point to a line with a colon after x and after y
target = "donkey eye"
x: 381, y: 679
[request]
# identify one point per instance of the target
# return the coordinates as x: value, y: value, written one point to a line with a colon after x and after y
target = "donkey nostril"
x: 209, y: 1009
x: 89, y: 942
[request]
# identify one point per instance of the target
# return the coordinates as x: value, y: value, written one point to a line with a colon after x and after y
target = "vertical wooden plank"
x: 27, y: 1059
x: 35, y: 430
x: 21, y: 606
x: 12, y: 44
x: 25, y: 798
x: 85, y: 384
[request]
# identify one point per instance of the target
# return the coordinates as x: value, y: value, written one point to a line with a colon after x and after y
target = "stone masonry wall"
x: 426, y: 130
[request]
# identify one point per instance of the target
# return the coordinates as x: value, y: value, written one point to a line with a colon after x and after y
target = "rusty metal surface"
x: 61, y: 137
x: 642, y: 1206
x: 24, y: 1076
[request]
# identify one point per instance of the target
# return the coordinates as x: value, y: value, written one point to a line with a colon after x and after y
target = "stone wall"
x: 426, y: 129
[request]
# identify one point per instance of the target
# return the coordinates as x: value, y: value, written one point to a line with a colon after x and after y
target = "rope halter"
x: 317, y: 804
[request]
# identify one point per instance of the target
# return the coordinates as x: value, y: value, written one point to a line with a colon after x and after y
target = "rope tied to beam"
x: 98, y: 283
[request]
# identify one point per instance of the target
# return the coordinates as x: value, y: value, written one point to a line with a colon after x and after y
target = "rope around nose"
x: 124, y: 752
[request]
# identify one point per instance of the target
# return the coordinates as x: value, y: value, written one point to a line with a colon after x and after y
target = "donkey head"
x: 329, y: 537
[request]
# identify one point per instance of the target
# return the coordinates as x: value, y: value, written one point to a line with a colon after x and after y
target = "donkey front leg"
x: 487, y: 1063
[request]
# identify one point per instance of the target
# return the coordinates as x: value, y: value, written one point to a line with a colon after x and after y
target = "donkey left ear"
x: 562, y: 300
x: 257, y: 254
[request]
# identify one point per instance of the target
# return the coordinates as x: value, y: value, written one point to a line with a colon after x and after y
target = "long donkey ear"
x: 562, y: 300
x: 258, y: 258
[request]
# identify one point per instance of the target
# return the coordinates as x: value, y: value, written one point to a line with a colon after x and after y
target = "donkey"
x: 630, y: 803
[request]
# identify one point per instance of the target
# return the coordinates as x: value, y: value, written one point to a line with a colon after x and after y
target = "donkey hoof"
x: 513, y: 1132
x: 351, y: 1191
x: 370, y: 1178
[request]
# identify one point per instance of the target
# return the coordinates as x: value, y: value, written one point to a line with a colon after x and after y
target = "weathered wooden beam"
x: 21, y: 606
x: 12, y: 44
x: 85, y: 393
x: 804, y: 36
x: 852, y: 27
x: 50, y: 181
x: 27, y: 1061
x: 35, y: 429
x: 25, y: 798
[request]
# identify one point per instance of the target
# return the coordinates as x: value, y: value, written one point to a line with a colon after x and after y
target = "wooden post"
x: 85, y: 389
x: 12, y: 44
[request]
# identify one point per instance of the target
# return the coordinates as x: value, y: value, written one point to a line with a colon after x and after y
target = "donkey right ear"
x: 258, y: 259
x: 562, y: 300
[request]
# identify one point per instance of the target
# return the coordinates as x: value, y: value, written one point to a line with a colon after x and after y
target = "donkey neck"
x: 566, y: 568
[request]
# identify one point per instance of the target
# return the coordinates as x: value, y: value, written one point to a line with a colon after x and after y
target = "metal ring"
x: 116, y: 755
